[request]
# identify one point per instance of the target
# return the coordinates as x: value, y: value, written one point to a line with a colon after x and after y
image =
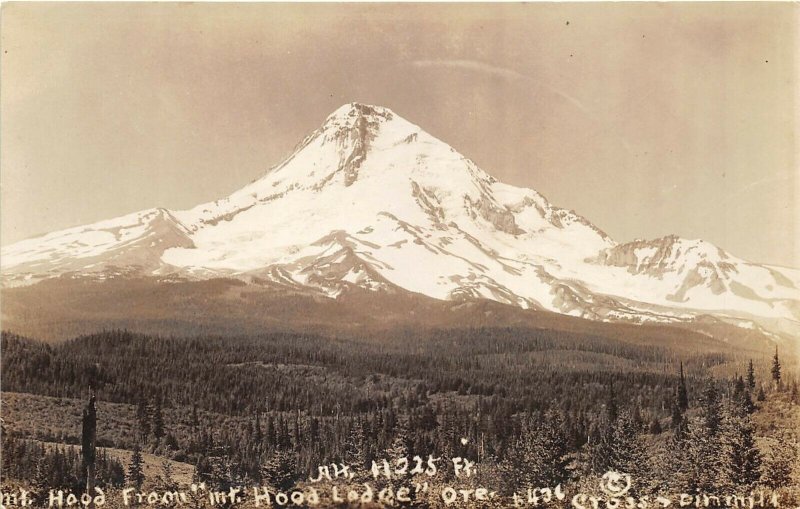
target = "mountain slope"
x: 134, y: 242
x: 370, y: 200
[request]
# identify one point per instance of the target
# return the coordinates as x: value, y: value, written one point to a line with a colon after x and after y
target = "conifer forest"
x: 529, y: 407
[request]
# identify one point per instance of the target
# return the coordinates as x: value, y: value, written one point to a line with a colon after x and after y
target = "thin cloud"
x: 512, y: 75
x: 508, y: 74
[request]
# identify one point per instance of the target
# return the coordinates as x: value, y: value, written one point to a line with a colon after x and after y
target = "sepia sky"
x: 648, y: 119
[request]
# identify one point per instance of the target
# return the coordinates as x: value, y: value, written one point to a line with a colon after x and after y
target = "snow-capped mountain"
x: 371, y: 200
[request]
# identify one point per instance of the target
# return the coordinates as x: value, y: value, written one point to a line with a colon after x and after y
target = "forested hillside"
x: 533, y: 407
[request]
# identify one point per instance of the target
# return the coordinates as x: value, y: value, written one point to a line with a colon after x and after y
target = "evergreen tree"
x: 761, y: 396
x: 258, y: 436
x: 738, y: 386
x: 612, y: 410
x: 355, y: 451
x: 270, y: 434
x: 224, y: 472
x: 279, y: 470
x: 778, y: 463
x: 776, y: 370
x: 741, y: 400
x: 711, y: 410
x: 158, y: 420
x: 143, y: 418
x: 136, y: 468
x: 202, y: 469
x: 677, y: 416
x: 88, y: 443
x: 746, y: 403
x: 672, y: 459
x: 679, y: 423
x: 631, y: 454
x: 741, y: 462
x: 551, y: 441
x: 620, y: 447
x: 701, y: 459
x: 682, y: 396
x: 166, y: 481
x: 399, y: 448
x: 538, y: 456
x: 195, y: 420
x: 40, y: 484
x: 751, y: 375
x: 703, y: 464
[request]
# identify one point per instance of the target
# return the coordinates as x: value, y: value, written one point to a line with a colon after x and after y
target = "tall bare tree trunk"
x: 88, y: 444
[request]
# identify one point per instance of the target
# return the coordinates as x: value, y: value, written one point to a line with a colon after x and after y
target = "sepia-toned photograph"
x: 376, y: 255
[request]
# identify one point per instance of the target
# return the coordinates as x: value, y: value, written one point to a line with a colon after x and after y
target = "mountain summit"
x: 371, y: 200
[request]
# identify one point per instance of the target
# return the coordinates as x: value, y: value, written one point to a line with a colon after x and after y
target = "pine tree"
x: 355, y: 453
x: 761, y: 396
x: 224, y: 473
x: 40, y: 484
x: 778, y: 463
x: 158, y: 420
x: 711, y: 410
x: 599, y: 446
x: 135, y: 468
x: 202, y: 469
x: 551, y: 441
x: 619, y: 446
x: 143, y: 418
x: 738, y: 386
x: 751, y: 375
x: 258, y: 436
x: 741, y: 398
x: 682, y: 396
x: 776, y: 370
x: 741, y: 462
x: 88, y: 442
x: 197, y: 498
x: 612, y: 410
x: 270, y: 436
x: 399, y: 448
x: 512, y: 465
x: 166, y: 481
x: 676, y: 417
x: 678, y: 421
x: 538, y: 456
x: 702, y: 466
x: 671, y: 459
x: 701, y: 459
x: 195, y: 420
x: 746, y: 403
x: 631, y: 454
x: 282, y: 438
x: 279, y: 470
